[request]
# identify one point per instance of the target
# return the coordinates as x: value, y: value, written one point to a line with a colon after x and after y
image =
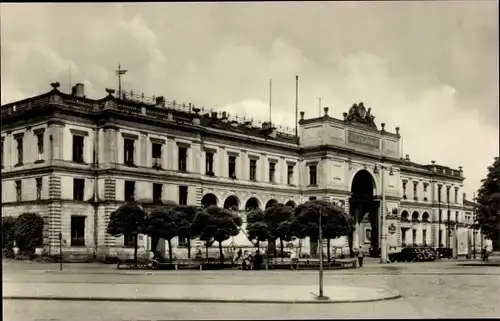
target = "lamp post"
x: 382, y: 240
x: 320, y: 239
x: 60, y: 251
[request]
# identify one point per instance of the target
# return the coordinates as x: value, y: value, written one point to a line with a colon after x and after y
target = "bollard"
x: 176, y: 267
x: 201, y: 267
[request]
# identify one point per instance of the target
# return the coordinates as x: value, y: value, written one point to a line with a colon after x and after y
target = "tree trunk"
x: 154, y: 243
x: 135, y: 248
x: 221, y: 256
x: 170, y: 249
x: 258, y: 244
x: 206, y: 250
x: 350, y: 239
x: 281, y: 245
x: 328, y: 249
x: 189, y: 246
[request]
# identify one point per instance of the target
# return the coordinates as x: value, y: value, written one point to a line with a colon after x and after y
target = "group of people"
x: 249, y: 261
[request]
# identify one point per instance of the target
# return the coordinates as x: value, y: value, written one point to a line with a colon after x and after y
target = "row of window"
x: 415, y: 197
x: 79, y: 191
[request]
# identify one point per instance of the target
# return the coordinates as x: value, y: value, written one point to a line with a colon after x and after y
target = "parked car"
x: 445, y: 252
x: 408, y: 254
x: 428, y: 253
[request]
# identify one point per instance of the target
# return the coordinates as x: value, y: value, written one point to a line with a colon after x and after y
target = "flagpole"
x: 270, y: 98
x: 296, y: 105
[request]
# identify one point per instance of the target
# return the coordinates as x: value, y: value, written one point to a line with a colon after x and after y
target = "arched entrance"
x: 271, y: 203
x: 291, y: 204
x: 252, y: 204
x: 232, y: 203
x: 209, y: 200
x: 364, y: 208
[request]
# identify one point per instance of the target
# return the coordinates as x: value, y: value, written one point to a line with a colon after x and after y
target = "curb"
x: 173, y: 300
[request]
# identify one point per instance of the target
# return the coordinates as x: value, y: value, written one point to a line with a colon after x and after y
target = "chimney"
x: 224, y: 117
x: 266, y: 125
x: 325, y: 109
x: 79, y: 90
x: 302, y: 115
x: 407, y: 157
x: 464, y: 196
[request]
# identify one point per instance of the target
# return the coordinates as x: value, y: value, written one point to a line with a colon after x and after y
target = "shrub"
x: 8, y: 229
x: 28, y: 232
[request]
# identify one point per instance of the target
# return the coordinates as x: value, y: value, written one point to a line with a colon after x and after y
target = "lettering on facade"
x: 363, y: 140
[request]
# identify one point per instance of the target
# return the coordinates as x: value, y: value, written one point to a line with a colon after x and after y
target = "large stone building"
x: 73, y: 160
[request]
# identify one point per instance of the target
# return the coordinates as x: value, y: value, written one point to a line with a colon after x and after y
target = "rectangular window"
x: 128, y: 240
x: 253, y: 169
x: 441, y: 238
x: 232, y: 166
x: 209, y: 164
x: 290, y: 175
x: 183, y: 195
x: 272, y: 172
x: 78, y: 148
x: 156, y: 154
x: 403, y: 236
x: 38, y: 188
x: 415, y: 185
x: 312, y: 198
x: 157, y: 191
x: 313, y: 180
x: 404, y: 189
x: 182, y: 159
x: 424, y: 237
x: 414, y: 236
x: 40, y: 146
x: 128, y: 151
x: 77, y: 230
x: 19, y: 150
x: 439, y: 193
x: 78, y: 189
x: 19, y: 192
x: 447, y: 194
x: 129, y: 191
x: 456, y: 195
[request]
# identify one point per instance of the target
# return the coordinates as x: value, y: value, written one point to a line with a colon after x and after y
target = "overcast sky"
x: 429, y: 67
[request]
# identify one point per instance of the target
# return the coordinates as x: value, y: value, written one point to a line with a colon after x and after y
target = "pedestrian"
x: 294, y: 260
x: 238, y: 255
x: 245, y: 264
x: 257, y: 260
x: 361, y: 256
x: 484, y: 254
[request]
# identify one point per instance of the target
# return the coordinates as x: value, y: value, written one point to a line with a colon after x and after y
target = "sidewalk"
x: 192, y: 293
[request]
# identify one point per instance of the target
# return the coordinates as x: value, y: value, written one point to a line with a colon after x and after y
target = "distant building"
x: 74, y: 160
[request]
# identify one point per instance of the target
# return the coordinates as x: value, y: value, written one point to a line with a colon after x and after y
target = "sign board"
x: 463, y: 241
x: 364, y: 140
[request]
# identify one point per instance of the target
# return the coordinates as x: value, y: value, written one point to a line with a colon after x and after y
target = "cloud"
x: 435, y: 77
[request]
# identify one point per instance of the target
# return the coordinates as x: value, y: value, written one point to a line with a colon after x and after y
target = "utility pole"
x: 119, y: 73
x: 321, y: 296
x: 383, y: 248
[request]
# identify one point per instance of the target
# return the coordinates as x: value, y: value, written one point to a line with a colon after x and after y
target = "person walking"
x: 294, y: 260
x: 257, y: 260
x: 361, y: 255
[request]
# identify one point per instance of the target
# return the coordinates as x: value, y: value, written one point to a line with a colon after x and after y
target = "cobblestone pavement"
x: 457, y: 292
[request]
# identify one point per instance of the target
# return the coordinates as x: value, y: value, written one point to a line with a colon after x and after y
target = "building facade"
x: 74, y: 160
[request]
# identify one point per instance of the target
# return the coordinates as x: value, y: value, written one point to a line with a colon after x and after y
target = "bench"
x: 350, y: 263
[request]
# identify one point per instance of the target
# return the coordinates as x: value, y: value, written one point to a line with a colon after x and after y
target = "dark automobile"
x: 407, y: 255
x: 430, y: 254
x: 445, y: 252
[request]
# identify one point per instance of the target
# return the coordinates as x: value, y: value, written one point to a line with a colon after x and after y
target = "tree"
x: 257, y: 229
x: 127, y: 220
x: 335, y: 222
x: 163, y: 223
x: 28, y: 232
x: 218, y: 224
x: 278, y: 218
x: 488, y: 205
x: 187, y: 213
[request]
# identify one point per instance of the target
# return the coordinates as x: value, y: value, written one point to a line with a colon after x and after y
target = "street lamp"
x: 382, y: 234
x: 60, y: 251
x: 321, y: 296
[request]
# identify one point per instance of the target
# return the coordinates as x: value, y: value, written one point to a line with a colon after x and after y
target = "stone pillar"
x: 56, y: 143
x: 143, y: 148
